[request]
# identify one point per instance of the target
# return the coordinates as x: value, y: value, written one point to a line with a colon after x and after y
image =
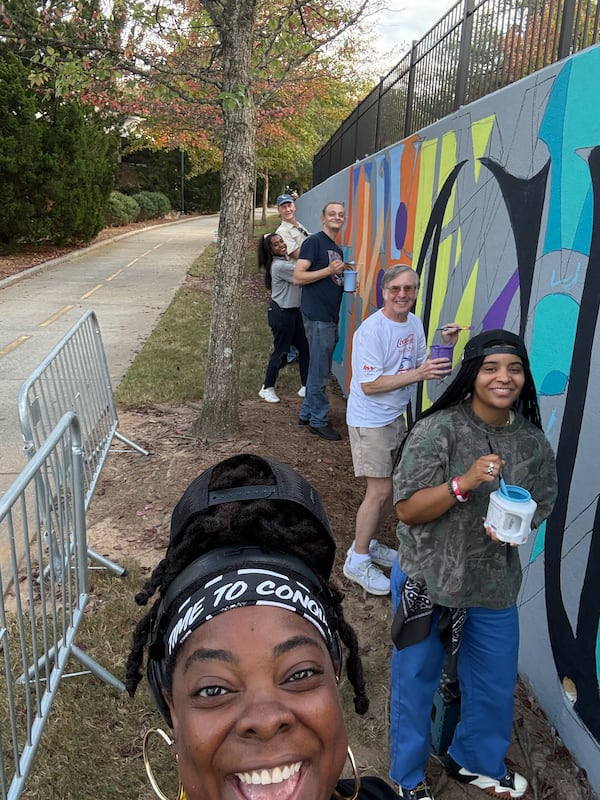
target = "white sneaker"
x: 302, y: 391
x: 367, y: 575
x: 381, y: 554
x: 268, y: 395
x: 511, y: 785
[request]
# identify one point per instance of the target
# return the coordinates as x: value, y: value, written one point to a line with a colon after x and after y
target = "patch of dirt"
x: 129, y: 519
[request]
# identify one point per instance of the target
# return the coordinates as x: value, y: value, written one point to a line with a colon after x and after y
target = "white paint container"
x: 509, y: 514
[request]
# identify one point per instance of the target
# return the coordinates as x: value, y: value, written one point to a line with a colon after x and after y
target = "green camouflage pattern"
x: 453, y: 555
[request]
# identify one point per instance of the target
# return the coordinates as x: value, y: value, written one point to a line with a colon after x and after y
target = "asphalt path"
x: 128, y: 282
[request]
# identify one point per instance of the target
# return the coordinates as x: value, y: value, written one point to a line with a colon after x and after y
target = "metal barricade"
x: 42, y: 529
x: 74, y: 376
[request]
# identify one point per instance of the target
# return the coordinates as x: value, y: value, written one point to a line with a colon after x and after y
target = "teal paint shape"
x: 539, y: 543
x: 554, y: 383
x: 551, y: 352
x: 571, y: 123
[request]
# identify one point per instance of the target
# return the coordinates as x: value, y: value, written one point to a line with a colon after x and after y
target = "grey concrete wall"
x: 497, y: 207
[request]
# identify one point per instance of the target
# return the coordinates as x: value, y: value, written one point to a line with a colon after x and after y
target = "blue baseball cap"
x: 284, y: 198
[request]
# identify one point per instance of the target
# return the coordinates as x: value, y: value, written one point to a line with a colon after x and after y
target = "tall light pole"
x: 182, y: 170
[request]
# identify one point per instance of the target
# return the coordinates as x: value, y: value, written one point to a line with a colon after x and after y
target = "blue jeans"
x: 322, y: 339
x: 487, y: 673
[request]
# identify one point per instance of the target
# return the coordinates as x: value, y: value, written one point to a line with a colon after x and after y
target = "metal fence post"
x: 410, y: 92
x: 465, y: 55
x: 378, y: 115
x: 565, y: 38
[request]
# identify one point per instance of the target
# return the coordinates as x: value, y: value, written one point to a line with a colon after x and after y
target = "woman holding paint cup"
x: 455, y: 585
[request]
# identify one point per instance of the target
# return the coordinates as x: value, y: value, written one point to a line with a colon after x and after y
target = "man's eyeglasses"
x: 397, y: 289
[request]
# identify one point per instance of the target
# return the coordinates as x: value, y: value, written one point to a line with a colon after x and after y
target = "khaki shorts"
x: 374, y: 450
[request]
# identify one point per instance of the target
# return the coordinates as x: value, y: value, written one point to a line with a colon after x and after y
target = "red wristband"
x: 462, y: 498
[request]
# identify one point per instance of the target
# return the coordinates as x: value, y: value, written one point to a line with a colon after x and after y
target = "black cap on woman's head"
x: 280, y: 483
x: 495, y: 341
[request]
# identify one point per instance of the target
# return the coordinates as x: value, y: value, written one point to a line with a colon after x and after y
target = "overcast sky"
x: 407, y: 20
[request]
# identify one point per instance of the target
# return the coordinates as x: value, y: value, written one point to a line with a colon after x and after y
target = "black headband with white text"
x: 244, y: 586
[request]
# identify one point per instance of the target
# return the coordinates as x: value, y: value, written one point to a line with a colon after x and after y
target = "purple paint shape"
x: 401, y: 226
x: 496, y: 316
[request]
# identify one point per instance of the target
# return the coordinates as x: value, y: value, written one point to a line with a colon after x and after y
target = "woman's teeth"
x: 264, y: 777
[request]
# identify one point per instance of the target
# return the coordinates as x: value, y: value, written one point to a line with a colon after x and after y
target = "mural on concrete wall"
x: 498, y: 209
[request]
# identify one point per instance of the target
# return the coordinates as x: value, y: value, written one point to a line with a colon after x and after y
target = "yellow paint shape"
x: 91, y: 292
x: 480, y: 137
x: 425, y: 198
x: 55, y: 316
x: 448, y: 156
x: 440, y: 284
x: 464, y: 312
x: 13, y: 345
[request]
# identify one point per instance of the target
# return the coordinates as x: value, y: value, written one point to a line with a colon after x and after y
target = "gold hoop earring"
x: 153, y: 782
x: 354, y: 794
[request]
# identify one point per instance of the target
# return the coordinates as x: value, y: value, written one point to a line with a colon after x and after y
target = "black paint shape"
x: 575, y: 653
x: 524, y: 201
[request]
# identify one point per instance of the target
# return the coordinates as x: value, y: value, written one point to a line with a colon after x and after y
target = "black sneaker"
x: 511, y: 785
x: 303, y: 421
x: 325, y: 432
x: 420, y: 792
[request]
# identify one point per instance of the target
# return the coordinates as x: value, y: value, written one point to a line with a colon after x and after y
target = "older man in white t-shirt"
x: 389, y: 358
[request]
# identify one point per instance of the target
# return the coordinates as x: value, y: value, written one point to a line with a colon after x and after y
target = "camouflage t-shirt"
x: 452, y: 554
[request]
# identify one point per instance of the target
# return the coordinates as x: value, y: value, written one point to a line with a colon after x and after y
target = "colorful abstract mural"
x: 498, y: 209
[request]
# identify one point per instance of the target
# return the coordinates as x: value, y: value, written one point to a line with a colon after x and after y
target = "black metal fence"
x: 476, y: 48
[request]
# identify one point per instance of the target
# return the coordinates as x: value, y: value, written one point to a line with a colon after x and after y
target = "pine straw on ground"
x: 129, y: 518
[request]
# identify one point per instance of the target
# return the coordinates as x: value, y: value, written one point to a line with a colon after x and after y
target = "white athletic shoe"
x: 302, y: 391
x: 512, y: 785
x: 381, y: 554
x: 268, y: 395
x: 367, y: 575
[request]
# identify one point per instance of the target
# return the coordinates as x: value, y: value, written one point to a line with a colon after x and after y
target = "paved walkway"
x: 128, y: 281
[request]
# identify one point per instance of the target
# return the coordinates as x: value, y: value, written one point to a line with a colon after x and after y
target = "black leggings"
x: 288, y: 330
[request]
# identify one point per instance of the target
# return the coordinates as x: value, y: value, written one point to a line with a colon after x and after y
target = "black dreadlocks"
x: 280, y: 525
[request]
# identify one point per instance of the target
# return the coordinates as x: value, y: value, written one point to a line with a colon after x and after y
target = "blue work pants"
x: 487, y: 674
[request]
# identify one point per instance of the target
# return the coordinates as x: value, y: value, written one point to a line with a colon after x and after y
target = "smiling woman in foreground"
x: 243, y: 642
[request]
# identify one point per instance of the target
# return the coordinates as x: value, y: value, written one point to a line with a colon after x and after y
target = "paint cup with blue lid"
x: 510, y: 512
x: 350, y: 277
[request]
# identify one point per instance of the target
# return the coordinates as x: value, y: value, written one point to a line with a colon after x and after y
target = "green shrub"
x: 147, y: 203
x: 152, y: 204
x: 121, y: 209
x: 164, y: 204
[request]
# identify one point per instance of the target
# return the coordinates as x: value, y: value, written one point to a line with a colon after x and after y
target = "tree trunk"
x: 219, y: 416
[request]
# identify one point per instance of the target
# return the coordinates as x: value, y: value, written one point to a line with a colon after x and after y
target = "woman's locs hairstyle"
x: 246, y: 509
x: 476, y: 350
x: 265, y: 257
